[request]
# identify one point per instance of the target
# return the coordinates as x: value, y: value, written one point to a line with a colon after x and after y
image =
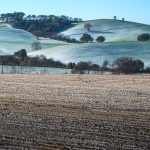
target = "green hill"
x: 96, y: 52
x: 12, y: 40
x: 112, y: 30
x: 121, y: 40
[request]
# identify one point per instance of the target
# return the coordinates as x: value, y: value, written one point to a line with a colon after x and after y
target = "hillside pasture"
x: 112, y: 30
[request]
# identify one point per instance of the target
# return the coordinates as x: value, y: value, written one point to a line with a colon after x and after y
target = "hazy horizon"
x: 136, y: 11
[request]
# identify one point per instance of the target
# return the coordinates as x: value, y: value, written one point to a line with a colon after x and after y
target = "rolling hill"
x: 113, y: 31
x: 12, y: 40
x: 96, y: 52
x: 121, y: 40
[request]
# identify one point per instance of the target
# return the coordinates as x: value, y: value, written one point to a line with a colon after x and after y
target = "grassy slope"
x: 113, y: 31
x: 12, y: 40
x: 120, y: 37
x: 10, y: 34
x: 96, y: 52
x: 117, y: 33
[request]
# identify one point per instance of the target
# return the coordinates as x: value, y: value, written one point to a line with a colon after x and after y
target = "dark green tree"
x: 86, y: 38
x: 144, y: 37
x: 100, y: 39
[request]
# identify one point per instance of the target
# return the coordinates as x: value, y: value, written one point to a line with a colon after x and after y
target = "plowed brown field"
x: 45, y: 112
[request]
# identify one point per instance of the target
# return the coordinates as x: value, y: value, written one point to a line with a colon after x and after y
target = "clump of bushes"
x: 86, y: 38
x: 147, y: 70
x: 100, y: 39
x: 144, y: 37
x: 64, y: 38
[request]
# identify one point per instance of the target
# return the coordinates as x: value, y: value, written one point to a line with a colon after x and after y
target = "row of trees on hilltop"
x: 41, y: 25
x: 12, y: 17
x: 20, y: 16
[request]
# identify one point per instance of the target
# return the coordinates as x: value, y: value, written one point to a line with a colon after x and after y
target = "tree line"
x: 20, y: 58
x: 123, y: 65
x: 41, y: 25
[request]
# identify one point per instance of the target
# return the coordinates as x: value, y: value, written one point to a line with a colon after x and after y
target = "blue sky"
x: 132, y: 10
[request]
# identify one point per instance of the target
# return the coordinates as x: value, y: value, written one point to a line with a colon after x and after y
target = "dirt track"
x: 47, y: 112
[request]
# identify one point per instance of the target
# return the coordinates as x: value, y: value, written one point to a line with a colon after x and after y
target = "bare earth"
x: 45, y: 112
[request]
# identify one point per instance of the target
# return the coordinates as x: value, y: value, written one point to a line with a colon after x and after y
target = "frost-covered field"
x: 12, y: 40
x: 113, y: 31
x: 97, y: 52
x: 74, y: 112
x: 120, y: 41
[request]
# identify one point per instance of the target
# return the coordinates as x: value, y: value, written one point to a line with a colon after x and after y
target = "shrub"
x: 147, y: 70
x: 144, y: 37
x: 64, y: 38
x: 100, y: 39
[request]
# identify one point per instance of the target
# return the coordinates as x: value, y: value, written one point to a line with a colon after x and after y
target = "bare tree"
x: 36, y: 45
x: 87, y: 26
x: 123, y: 19
x: 115, y: 17
x: 105, y: 64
